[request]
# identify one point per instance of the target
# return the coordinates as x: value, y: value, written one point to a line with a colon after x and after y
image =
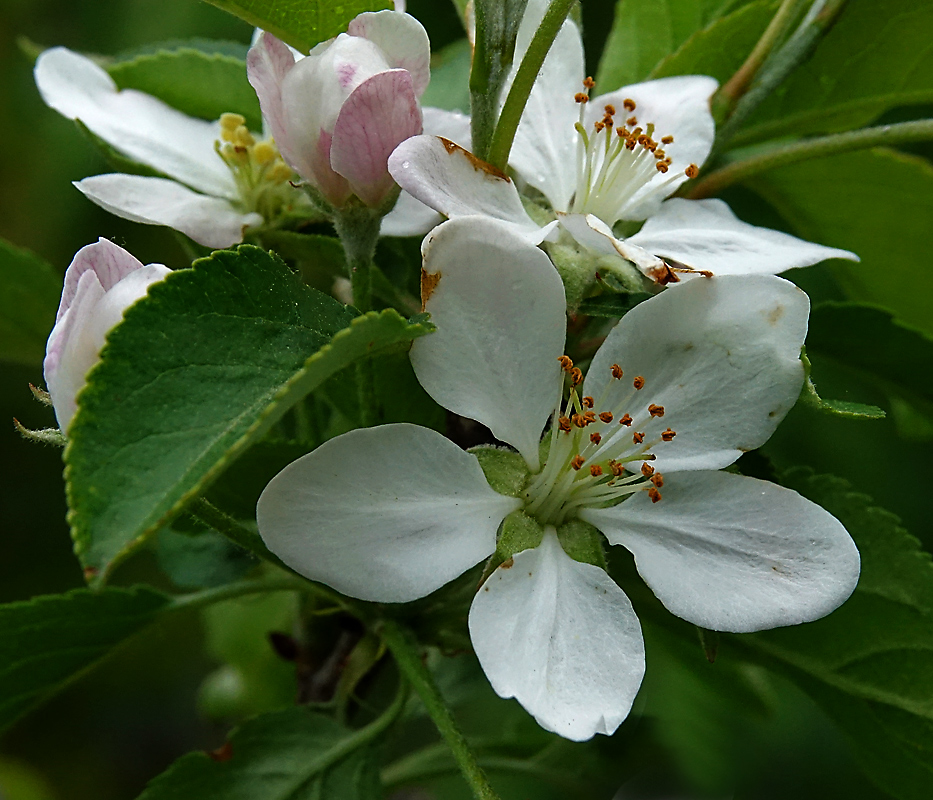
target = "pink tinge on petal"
x: 332, y: 185
x: 267, y: 64
x: 402, y: 40
x: 380, y: 114
x: 108, y: 261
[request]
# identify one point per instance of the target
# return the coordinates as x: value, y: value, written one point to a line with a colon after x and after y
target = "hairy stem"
x: 818, y: 147
x: 817, y: 23
x: 404, y: 647
x: 525, y: 77
x: 207, y: 597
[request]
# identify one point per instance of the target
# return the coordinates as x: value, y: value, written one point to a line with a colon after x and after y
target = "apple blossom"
x: 101, y: 282
x: 598, y: 161
x: 220, y: 179
x: 338, y: 113
x: 681, y: 387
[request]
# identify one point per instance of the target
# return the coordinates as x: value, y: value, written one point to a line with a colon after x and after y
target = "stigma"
x: 592, y: 462
x: 615, y: 161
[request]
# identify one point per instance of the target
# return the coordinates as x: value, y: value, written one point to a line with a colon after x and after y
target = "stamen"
x: 587, y: 401
x: 654, y: 494
x: 564, y: 424
x: 605, y: 416
x: 668, y: 435
x: 595, y: 438
x: 588, y: 82
x: 565, y: 363
x: 628, y: 104
x: 576, y: 462
x: 616, y: 371
x: 692, y: 171
x: 576, y: 376
x: 632, y: 122
x: 657, y: 479
x: 596, y: 470
x: 610, y: 110
x: 617, y: 469
x: 626, y: 420
x: 639, y: 382
x: 638, y: 437
x: 655, y: 410
x: 667, y: 140
x: 579, y: 420
x: 647, y: 470
x: 580, y: 97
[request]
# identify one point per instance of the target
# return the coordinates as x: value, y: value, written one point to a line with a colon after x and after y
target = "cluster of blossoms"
x: 633, y: 454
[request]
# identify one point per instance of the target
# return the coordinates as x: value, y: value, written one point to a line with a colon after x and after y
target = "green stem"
x: 407, y: 655
x: 819, y: 147
x: 358, y: 228
x: 233, y: 590
x: 484, y: 95
x: 525, y: 77
x: 224, y: 524
x: 820, y: 18
x: 729, y: 93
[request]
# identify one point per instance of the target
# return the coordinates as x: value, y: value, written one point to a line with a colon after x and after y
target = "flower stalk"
x: 818, y: 147
x: 515, y: 101
x: 407, y: 655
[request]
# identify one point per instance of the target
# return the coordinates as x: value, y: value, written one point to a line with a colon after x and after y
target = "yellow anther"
x: 264, y: 152
x: 230, y: 122
x: 280, y: 172
x: 243, y: 138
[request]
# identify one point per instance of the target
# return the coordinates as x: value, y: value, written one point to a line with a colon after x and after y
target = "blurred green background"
x: 104, y: 737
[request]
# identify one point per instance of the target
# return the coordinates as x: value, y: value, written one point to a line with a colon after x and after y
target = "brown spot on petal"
x: 663, y: 275
x: 478, y: 164
x: 507, y: 564
x: 429, y: 281
x: 775, y: 315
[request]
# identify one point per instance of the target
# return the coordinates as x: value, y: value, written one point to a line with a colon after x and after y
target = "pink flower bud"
x: 102, y: 281
x: 338, y: 113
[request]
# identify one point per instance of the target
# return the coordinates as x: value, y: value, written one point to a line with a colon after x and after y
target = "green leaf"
x: 875, y: 203
x: 48, y: 641
x: 287, y: 755
x: 646, y: 31
x: 868, y: 663
x: 874, y: 58
x: 202, y: 559
x: 301, y: 23
x: 842, y: 408
x: 198, y: 371
x: 30, y: 295
x: 720, y: 48
x: 896, y: 357
x: 196, y: 83
x: 450, y: 78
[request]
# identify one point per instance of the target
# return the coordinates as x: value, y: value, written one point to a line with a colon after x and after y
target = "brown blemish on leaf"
x: 478, y: 164
x: 222, y: 753
x: 90, y: 573
x: 429, y: 281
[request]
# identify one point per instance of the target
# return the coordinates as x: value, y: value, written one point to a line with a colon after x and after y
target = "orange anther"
x: 647, y: 470
x: 581, y: 97
x: 588, y: 82
x: 617, y: 468
x: 625, y: 420
x: 639, y: 382
x: 667, y: 139
x: 576, y: 376
x: 628, y: 104
x: 596, y: 470
x: 589, y: 416
x: 632, y: 122
x: 656, y: 410
x: 610, y: 110
x: 587, y: 401
x: 657, y: 479
x: 605, y: 416
x: 668, y: 435
x: 692, y: 171
x: 564, y: 424
x: 616, y: 371
x: 565, y: 363
x: 595, y: 438
x: 638, y: 438
x: 579, y: 420
x: 576, y: 462
x: 654, y: 494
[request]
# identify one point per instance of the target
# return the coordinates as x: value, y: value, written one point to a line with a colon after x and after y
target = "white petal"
x: 268, y: 62
x: 732, y: 553
x: 706, y: 235
x: 387, y: 514
x: 544, y: 152
x: 562, y: 639
x: 499, y: 307
x: 210, y: 221
x: 595, y: 234
x: 454, y: 182
x: 76, y: 340
x: 678, y: 107
x: 136, y: 124
x: 402, y: 39
x: 411, y: 217
x: 721, y: 355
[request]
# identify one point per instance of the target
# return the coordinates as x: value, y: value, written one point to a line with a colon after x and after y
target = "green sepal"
x: 582, y: 542
x: 505, y: 470
x: 839, y: 408
x: 519, y: 532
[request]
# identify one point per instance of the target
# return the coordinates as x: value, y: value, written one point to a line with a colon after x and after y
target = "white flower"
x: 599, y: 161
x: 102, y: 281
x: 683, y: 385
x: 337, y: 114
x: 214, y: 193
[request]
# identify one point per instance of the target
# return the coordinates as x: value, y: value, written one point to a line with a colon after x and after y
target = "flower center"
x: 259, y: 171
x: 589, y: 450
x: 616, y: 161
